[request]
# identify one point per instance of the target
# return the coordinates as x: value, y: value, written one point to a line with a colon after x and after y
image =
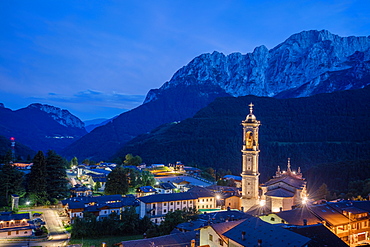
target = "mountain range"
x: 40, y: 127
x: 306, y: 64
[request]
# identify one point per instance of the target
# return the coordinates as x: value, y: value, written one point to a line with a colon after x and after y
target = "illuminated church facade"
x: 286, y: 190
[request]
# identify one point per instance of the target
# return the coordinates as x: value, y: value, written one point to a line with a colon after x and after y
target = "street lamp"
x: 27, y: 203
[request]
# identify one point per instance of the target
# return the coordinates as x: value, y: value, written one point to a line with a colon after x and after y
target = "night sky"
x: 98, y: 59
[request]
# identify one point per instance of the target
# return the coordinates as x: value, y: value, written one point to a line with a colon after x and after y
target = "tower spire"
x: 289, y: 170
x: 251, y: 108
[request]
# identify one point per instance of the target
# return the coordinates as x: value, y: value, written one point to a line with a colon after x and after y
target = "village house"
x: 145, y: 191
x: 158, y: 205
x: 165, y: 188
x: 80, y: 190
x: 15, y: 225
x: 100, y: 206
x: 349, y: 220
x: 249, y: 232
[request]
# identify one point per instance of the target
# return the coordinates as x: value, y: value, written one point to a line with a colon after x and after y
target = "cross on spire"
x: 289, y: 164
x: 251, y: 108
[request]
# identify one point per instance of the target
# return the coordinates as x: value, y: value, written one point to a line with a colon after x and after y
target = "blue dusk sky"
x: 98, y: 59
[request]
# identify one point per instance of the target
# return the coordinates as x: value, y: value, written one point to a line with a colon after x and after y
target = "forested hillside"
x: 324, y: 128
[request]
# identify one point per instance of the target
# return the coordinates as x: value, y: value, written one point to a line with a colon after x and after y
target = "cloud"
x: 96, y: 98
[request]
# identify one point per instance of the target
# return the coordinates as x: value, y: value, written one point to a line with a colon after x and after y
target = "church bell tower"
x: 250, y: 152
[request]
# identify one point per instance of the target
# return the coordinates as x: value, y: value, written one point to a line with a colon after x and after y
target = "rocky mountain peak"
x: 304, y: 59
x: 63, y: 117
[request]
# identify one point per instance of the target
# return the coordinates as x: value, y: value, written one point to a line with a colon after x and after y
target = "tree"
x: 130, y: 160
x: 172, y: 219
x: 97, y: 186
x: 147, y: 178
x: 86, y: 161
x: 117, y: 182
x: 322, y: 193
x: 37, y: 179
x: 56, y: 176
x: 74, y: 162
x: 10, y: 183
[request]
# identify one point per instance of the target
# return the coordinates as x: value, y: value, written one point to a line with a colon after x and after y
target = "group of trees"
x: 171, y: 220
x: 126, y: 223
x: 124, y: 180
x: 11, y: 181
x: 129, y: 223
x: 46, y: 183
x: 47, y: 179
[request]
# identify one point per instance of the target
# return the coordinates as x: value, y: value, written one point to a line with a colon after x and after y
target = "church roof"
x: 288, y: 179
x: 279, y: 192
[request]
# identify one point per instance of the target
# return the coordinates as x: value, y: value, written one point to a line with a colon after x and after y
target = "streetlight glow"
x: 304, y: 200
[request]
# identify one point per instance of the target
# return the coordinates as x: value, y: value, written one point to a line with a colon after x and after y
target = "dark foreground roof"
x: 177, y: 239
x: 256, y: 230
x: 7, y: 216
x: 320, y: 235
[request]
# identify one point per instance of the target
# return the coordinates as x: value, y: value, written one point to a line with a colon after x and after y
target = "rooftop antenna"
x: 12, y: 140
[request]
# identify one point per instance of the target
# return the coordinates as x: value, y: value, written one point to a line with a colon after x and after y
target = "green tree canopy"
x: 56, y: 176
x: 74, y: 162
x: 117, y: 182
x: 130, y: 160
x: 38, y: 179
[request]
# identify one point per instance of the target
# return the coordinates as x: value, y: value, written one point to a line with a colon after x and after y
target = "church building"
x: 285, y: 190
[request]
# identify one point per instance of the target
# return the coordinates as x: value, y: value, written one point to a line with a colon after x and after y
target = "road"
x: 57, y: 234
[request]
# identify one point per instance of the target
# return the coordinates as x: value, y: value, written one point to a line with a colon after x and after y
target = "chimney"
x: 192, y: 243
x: 304, y: 222
x: 228, y: 208
x: 243, y: 236
x: 242, y: 209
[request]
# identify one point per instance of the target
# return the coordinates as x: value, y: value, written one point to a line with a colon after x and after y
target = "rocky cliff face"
x: 63, y: 117
x: 307, y: 59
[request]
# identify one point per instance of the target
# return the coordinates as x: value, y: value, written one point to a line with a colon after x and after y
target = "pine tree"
x: 37, y: 179
x: 56, y: 176
x: 74, y: 162
x: 117, y: 182
x: 10, y: 183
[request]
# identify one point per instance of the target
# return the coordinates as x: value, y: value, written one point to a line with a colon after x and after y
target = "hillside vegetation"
x: 324, y: 128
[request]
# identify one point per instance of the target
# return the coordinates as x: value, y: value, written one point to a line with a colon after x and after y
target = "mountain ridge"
x: 41, y: 127
x: 323, y: 128
x: 307, y: 63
